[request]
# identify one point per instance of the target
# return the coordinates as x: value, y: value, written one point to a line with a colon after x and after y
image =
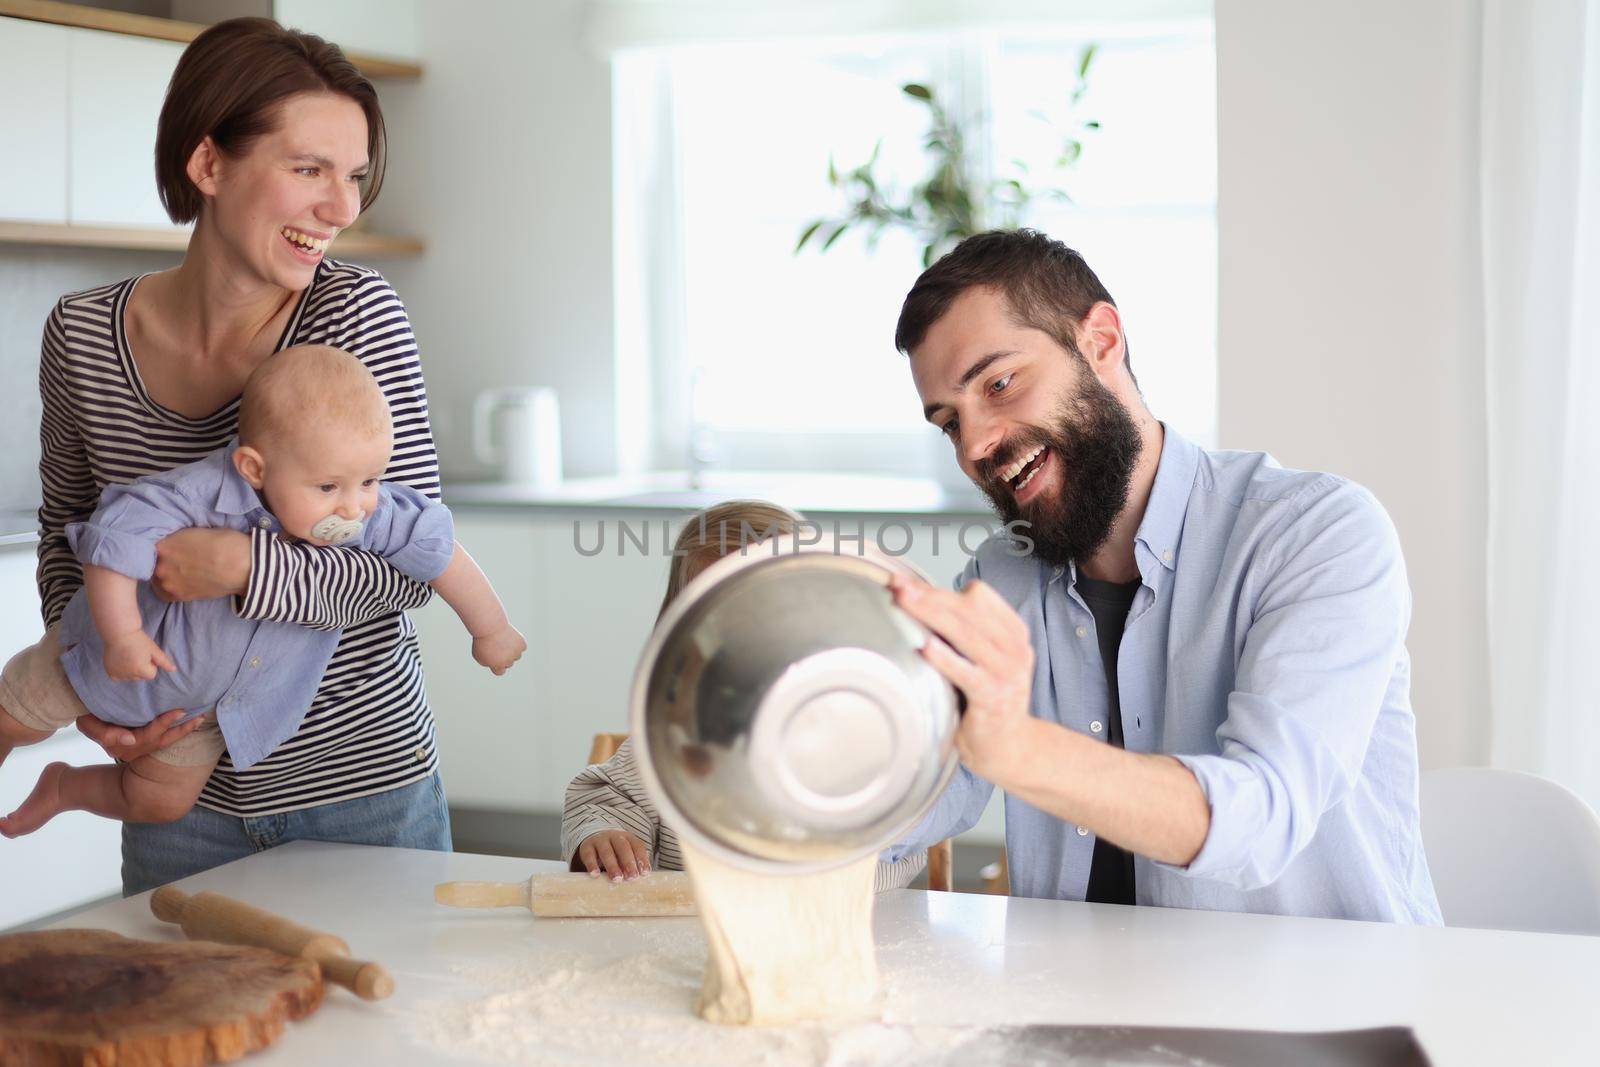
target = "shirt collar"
x: 1162, y: 525
x: 235, y: 496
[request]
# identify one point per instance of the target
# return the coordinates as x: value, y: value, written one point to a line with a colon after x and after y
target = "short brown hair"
x: 228, y: 85
x: 1048, y: 286
x: 721, y: 530
x: 308, y: 385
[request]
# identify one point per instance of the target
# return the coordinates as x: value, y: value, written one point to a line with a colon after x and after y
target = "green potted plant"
x: 953, y: 201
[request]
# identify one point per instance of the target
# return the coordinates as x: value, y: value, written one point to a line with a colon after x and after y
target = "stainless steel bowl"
x: 783, y: 716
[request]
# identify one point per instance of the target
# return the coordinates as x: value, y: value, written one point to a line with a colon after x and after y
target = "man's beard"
x: 1095, y: 445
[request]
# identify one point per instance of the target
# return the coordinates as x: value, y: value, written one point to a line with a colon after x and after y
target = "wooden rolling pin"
x: 570, y: 895
x: 214, y: 917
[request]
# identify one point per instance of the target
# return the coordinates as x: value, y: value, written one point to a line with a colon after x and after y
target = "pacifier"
x: 336, y: 530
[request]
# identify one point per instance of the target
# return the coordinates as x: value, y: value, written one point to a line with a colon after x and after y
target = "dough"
x: 785, y: 947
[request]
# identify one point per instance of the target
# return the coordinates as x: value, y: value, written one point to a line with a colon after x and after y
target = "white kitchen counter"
x: 512, y: 988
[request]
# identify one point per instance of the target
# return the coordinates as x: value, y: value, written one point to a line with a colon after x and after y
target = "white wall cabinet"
x: 33, y: 121
x: 116, y: 85
x: 512, y: 742
x: 76, y: 857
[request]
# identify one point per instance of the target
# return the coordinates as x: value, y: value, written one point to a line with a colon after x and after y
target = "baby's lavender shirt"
x: 259, y: 676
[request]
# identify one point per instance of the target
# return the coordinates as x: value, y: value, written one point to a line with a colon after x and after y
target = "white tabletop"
x: 504, y: 987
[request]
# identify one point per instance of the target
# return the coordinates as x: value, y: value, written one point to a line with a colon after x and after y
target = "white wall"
x: 1349, y: 293
x: 502, y: 162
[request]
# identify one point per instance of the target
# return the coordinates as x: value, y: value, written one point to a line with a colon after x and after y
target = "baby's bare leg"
x: 162, y: 792
x: 14, y: 734
x: 145, y: 790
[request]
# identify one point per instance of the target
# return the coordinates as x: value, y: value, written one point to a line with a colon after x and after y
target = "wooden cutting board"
x: 92, y: 997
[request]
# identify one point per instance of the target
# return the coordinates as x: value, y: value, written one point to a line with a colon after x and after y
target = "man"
x: 1193, y: 686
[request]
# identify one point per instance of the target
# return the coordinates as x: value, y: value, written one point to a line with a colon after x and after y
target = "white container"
x: 527, y: 449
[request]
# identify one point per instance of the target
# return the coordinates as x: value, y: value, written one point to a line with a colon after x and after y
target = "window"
x: 759, y: 358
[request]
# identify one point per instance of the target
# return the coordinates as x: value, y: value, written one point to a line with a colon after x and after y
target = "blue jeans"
x: 153, y: 854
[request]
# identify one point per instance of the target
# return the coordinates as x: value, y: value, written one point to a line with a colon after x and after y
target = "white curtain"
x: 1541, y: 249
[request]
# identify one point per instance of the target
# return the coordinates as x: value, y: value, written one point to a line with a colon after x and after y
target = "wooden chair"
x: 996, y: 877
x: 939, y: 856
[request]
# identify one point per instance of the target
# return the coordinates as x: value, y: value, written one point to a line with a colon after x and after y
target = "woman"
x: 266, y: 140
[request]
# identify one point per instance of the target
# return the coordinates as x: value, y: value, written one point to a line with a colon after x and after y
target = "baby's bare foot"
x: 42, y: 805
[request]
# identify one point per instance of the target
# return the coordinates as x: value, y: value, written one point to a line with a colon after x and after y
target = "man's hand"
x: 620, y: 854
x: 1149, y: 804
x: 127, y: 743
x: 981, y: 645
x: 500, y: 649
x: 202, y: 564
x: 135, y: 657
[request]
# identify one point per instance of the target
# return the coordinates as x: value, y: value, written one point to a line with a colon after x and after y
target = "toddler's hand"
x: 499, y: 650
x: 135, y: 657
x: 620, y: 853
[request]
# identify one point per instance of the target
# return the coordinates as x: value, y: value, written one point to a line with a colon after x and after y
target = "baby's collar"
x: 235, y: 496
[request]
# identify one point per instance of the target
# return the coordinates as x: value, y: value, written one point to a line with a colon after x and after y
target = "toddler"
x: 608, y: 822
x: 314, y: 440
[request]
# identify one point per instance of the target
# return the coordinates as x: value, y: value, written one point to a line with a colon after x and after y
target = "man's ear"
x: 251, y: 467
x: 1100, y: 339
x: 205, y: 162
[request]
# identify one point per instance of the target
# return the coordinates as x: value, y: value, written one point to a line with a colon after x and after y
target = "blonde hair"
x: 311, y: 382
x: 719, y: 531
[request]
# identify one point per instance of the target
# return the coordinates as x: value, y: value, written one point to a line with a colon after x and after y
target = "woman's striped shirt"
x: 369, y: 728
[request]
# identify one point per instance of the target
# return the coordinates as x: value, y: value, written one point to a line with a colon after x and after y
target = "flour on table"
x: 785, y: 947
x: 574, y: 1009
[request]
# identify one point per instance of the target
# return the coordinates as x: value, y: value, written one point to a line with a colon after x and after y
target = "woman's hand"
x: 202, y: 564
x: 127, y: 743
x: 620, y: 853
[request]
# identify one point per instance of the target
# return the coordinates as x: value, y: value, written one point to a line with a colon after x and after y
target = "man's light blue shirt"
x: 259, y: 676
x: 1265, y: 649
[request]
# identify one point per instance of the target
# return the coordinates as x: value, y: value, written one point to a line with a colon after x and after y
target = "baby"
x: 314, y: 439
x: 608, y: 822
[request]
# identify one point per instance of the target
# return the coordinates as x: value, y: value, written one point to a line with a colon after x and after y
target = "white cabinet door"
x: 76, y: 857
x: 512, y: 743
x: 116, y: 87
x: 33, y: 121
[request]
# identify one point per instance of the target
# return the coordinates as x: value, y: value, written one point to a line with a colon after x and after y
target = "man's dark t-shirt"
x: 1111, y: 870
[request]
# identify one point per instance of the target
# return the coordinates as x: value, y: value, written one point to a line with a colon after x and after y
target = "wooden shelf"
x: 351, y: 244
x: 94, y: 18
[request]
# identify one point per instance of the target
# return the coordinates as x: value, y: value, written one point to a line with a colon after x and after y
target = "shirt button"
x: 1082, y: 631
x: 1082, y: 832
x: 255, y: 661
x: 264, y: 522
x: 1167, y: 555
x: 1095, y: 727
x: 422, y: 753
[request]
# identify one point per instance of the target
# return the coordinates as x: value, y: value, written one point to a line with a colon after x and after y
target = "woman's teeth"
x: 305, y: 240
